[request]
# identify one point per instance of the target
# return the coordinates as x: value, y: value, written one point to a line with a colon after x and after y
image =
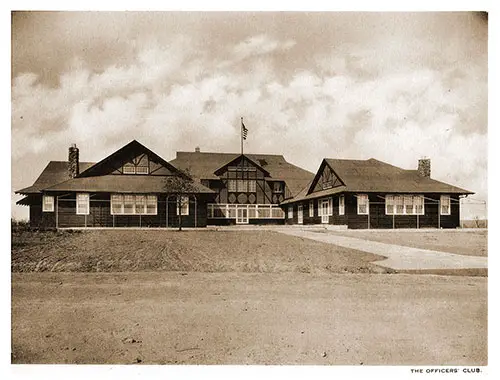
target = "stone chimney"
x: 424, y: 167
x: 197, y: 149
x: 73, y: 161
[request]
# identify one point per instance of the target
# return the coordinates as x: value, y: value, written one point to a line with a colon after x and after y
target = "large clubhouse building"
x: 133, y: 187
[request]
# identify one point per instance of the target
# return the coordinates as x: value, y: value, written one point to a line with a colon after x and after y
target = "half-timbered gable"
x: 133, y: 159
x: 325, y: 179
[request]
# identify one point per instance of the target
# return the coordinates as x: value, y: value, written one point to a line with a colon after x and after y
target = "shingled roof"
x: 121, y: 184
x: 55, y: 172
x: 376, y: 176
x: 202, y: 165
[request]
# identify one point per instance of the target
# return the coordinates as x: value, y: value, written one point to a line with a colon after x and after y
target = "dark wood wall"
x: 377, y: 217
x: 100, y: 214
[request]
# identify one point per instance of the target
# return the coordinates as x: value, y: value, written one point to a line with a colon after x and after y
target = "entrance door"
x: 242, y: 215
x: 324, y: 211
x: 300, y: 214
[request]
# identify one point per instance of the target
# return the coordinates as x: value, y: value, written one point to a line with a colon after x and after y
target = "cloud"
x: 174, y: 95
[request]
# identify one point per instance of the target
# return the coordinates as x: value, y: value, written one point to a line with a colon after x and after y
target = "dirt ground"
x: 200, y: 251
x: 473, y: 242
x: 249, y: 318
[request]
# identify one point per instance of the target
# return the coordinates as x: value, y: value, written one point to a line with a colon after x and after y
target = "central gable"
x: 325, y: 179
x: 242, y: 164
x: 132, y: 159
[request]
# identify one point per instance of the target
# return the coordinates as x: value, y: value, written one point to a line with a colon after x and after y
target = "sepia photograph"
x: 268, y: 188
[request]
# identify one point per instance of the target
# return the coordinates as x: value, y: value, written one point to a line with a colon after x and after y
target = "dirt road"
x: 249, y: 318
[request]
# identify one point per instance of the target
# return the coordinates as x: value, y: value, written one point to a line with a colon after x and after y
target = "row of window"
x: 130, y: 168
x: 394, y: 205
x: 259, y: 211
x: 242, y: 185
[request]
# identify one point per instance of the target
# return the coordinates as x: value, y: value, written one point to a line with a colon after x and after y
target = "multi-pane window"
x: 290, y: 212
x: 242, y: 185
x: 363, y: 204
x: 404, y: 205
x: 311, y: 209
x: 130, y: 168
x: 341, y: 205
x: 82, y: 203
x: 48, y: 203
x: 231, y: 185
x: 445, y: 205
x: 133, y: 204
x: 252, y: 186
x: 184, y: 205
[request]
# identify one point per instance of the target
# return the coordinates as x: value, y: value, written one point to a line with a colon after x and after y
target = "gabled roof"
x: 202, y: 165
x: 55, y: 172
x: 216, y: 172
x: 121, y: 184
x: 376, y: 176
x: 133, y: 146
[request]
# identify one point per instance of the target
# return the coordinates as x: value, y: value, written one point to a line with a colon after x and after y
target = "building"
x: 249, y: 188
x: 133, y: 187
x: 374, y: 194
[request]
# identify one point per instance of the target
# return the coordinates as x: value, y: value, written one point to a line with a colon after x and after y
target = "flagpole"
x: 241, y: 134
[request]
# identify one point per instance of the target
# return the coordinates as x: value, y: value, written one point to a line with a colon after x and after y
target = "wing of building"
x: 374, y: 194
x: 135, y: 187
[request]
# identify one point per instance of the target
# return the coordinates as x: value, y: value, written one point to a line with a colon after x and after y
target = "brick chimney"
x: 424, y: 167
x: 197, y: 149
x: 73, y: 161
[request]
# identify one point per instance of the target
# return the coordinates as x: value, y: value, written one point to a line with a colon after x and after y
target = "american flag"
x: 244, y: 131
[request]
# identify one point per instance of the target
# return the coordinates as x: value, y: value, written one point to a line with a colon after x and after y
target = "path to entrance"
x: 398, y: 257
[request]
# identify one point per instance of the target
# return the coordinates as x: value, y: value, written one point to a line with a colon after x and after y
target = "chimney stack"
x: 424, y: 167
x: 73, y: 161
x: 197, y: 149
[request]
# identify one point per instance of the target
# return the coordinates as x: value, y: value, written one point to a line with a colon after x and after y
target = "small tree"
x: 181, y: 186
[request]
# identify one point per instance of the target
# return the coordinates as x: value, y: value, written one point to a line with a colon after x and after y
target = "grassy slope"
x: 200, y: 251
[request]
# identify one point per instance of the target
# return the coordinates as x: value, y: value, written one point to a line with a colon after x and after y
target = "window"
x: 330, y: 206
x: 140, y: 204
x: 311, y: 209
x: 341, y: 205
x: 290, y: 212
x: 363, y: 207
x: 141, y: 170
x: 128, y: 169
x: 404, y: 205
x: 116, y: 204
x: 277, y: 187
x: 48, y: 203
x: 241, y: 186
x: 445, y: 205
x: 184, y: 203
x: 133, y: 204
x: 151, y: 205
x: 252, y: 186
x: 231, y: 185
x: 82, y: 203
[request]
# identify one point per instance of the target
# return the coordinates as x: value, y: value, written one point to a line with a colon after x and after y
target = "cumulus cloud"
x: 172, y: 96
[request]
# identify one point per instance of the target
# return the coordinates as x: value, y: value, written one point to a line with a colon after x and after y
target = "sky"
x: 393, y: 86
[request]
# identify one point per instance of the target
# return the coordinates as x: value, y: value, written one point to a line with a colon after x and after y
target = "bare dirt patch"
x: 248, y: 318
x: 463, y: 242
x: 186, y: 251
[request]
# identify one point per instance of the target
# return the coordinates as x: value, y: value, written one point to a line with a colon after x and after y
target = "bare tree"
x: 181, y: 186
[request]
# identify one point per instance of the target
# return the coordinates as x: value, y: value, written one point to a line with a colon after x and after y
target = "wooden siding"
x: 377, y: 217
x: 100, y: 214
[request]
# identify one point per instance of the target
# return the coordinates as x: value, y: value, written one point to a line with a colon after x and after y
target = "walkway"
x: 398, y: 257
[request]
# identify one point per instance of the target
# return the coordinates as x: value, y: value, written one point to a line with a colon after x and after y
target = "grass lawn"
x: 249, y: 318
x: 471, y: 242
x: 198, y: 251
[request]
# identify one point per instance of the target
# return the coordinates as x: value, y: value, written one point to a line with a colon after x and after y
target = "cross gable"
x: 241, y: 163
x: 132, y: 159
x: 325, y: 179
